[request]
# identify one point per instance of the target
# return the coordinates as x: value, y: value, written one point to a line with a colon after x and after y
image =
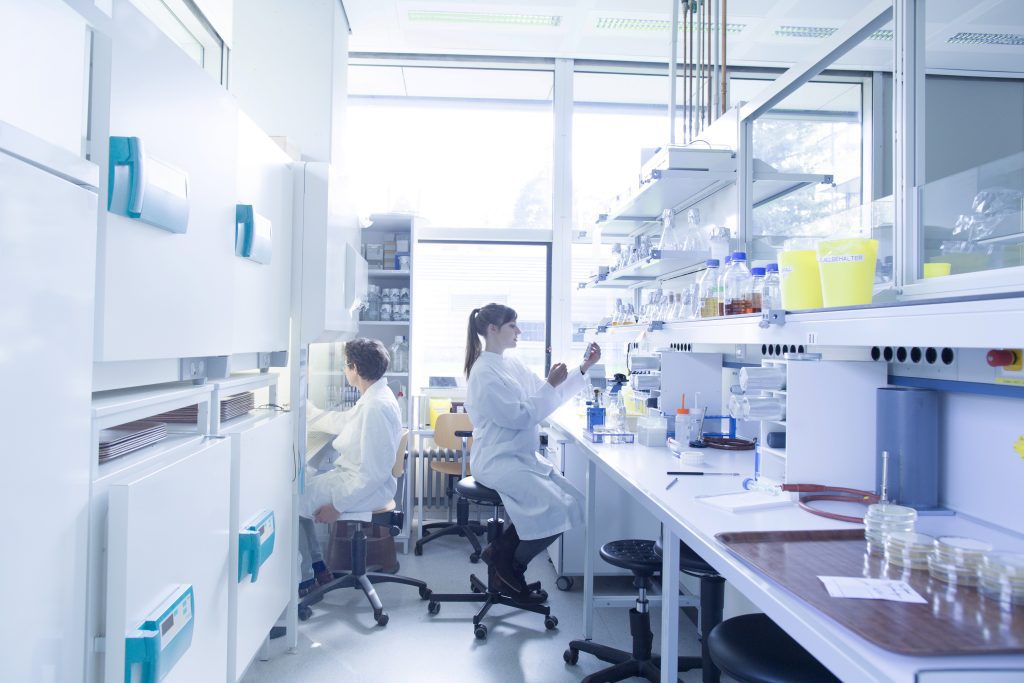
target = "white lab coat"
x: 367, y: 443
x: 506, y: 403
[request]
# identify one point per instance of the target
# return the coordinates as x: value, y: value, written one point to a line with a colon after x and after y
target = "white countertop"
x: 642, y: 471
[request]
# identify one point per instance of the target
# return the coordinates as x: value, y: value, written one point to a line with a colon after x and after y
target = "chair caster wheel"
x: 418, y: 550
x: 480, y: 632
x: 305, y: 612
x: 433, y: 607
x: 564, y: 583
x: 571, y: 656
x: 425, y: 593
x: 550, y: 622
x: 474, y: 558
x: 473, y: 587
x: 381, y: 618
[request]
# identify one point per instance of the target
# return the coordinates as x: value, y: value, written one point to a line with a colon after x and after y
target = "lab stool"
x: 637, y: 556
x: 712, y: 602
x: 358, y: 577
x: 753, y: 649
x: 473, y: 491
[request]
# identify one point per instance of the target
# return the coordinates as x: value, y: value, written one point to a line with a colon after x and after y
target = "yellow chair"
x: 453, y: 431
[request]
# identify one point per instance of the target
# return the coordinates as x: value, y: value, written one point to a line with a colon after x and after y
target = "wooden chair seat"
x: 450, y: 467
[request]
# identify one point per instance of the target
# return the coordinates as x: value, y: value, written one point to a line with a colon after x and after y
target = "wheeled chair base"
x: 481, y: 593
x: 365, y: 582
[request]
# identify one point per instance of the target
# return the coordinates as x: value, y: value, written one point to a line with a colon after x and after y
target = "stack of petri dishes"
x: 908, y: 549
x: 883, y: 519
x: 1001, y: 577
x: 955, y: 560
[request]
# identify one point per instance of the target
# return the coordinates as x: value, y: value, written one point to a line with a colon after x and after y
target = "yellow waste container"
x: 801, y: 285
x: 847, y: 270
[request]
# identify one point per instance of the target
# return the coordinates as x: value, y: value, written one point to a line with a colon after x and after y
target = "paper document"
x: 870, y: 589
x: 745, y: 500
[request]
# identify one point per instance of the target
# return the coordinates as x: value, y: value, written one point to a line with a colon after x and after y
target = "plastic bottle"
x: 707, y: 289
x: 771, y: 297
x: 738, y: 286
x: 403, y: 404
x: 682, y: 419
x: 616, y: 261
x: 757, y: 289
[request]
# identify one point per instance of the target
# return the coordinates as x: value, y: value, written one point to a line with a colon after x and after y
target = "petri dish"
x: 961, y: 551
x: 953, y: 574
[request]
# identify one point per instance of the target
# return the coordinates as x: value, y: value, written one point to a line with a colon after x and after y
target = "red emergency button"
x: 1001, y: 358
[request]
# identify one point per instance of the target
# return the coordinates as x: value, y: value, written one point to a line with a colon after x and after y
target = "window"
x: 460, y: 147
x: 184, y: 24
x: 817, y: 129
x: 615, y: 116
x: 512, y: 274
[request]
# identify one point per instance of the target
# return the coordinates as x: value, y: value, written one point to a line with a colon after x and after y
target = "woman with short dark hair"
x: 368, y: 436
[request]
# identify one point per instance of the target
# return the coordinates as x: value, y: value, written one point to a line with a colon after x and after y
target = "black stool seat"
x: 470, y: 489
x: 753, y: 649
x: 689, y: 561
x: 635, y: 555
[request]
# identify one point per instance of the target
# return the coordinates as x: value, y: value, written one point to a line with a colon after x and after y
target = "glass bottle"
x: 616, y: 261
x: 738, y: 283
x: 618, y: 313
x: 721, y: 284
x: 373, y: 302
x: 399, y: 355
x: 707, y: 289
x: 630, y: 316
x: 771, y: 297
x: 757, y: 289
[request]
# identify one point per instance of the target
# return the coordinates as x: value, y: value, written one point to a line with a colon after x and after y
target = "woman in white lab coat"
x: 506, y: 403
x: 368, y: 436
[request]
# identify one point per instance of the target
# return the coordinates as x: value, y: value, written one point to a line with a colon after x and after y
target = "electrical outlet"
x: 192, y: 368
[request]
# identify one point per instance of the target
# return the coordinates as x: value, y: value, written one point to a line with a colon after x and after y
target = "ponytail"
x: 479, y: 320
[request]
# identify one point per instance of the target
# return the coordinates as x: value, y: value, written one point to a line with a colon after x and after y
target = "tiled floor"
x: 342, y: 643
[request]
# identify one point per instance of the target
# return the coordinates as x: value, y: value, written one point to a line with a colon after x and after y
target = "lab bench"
x: 641, y: 471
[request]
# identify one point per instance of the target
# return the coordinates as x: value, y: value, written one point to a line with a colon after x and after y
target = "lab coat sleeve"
x: 492, y: 400
x: 328, y: 421
x: 575, y: 382
x: 379, y: 443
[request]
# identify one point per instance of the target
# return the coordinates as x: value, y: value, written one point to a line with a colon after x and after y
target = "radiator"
x: 434, y: 483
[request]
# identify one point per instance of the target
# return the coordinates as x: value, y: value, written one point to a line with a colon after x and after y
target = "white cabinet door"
x: 47, y: 271
x: 262, y: 473
x: 161, y: 294
x: 165, y: 528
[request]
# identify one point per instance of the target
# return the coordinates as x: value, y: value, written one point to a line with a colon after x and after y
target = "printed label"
x: 842, y: 258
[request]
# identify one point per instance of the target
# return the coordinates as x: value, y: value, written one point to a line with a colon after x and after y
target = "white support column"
x: 589, y: 536
x: 561, y: 215
x: 908, y: 128
x: 745, y: 182
x: 670, y: 606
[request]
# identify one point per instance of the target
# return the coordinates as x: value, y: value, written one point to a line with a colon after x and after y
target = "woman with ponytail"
x: 506, y: 403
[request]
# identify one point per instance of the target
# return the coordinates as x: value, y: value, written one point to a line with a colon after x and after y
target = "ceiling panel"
x: 384, y: 26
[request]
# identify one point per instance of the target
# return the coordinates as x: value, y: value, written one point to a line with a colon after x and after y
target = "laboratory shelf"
x: 384, y: 323
x: 777, y: 452
x: 396, y: 374
x: 679, y: 189
x: 989, y: 321
x: 112, y: 408
x: 160, y: 450
x: 384, y: 272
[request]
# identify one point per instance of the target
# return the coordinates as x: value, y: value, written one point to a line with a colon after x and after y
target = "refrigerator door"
x: 47, y: 272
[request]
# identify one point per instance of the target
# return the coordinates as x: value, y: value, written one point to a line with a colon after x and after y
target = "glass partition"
x: 973, y: 220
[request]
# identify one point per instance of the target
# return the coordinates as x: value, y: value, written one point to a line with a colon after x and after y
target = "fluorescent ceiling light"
x: 987, y: 39
x: 824, y: 32
x: 624, y: 24
x: 501, y: 19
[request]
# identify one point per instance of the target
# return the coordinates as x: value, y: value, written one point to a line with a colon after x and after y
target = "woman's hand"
x: 326, y: 514
x: 591, y: 357
x: 558, y: 374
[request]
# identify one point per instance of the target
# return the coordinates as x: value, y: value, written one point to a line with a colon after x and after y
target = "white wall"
x: 288, y: 70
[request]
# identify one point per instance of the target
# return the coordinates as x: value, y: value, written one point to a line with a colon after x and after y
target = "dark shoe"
x: 307, y: 587
x: 278, y: 632
x: 512, y: 574
x: 488, y: 555
x: 324, y: 577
